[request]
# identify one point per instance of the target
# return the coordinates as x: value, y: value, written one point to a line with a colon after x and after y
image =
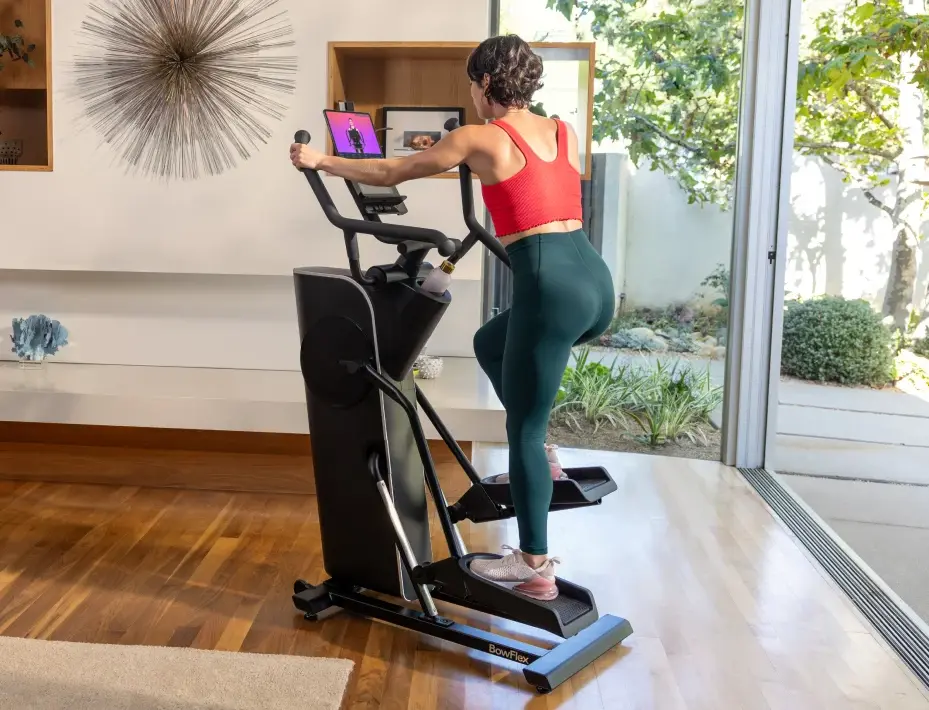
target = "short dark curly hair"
x: 515, y: 71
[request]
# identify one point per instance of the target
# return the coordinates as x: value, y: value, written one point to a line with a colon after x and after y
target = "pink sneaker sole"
x: 539, y: 588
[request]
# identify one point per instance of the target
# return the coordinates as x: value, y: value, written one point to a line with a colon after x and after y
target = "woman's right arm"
x: 453, y: 150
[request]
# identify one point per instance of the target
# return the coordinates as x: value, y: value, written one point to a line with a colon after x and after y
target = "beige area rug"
x: 54, y: 675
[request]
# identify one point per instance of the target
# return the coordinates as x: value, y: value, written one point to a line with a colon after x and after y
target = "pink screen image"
x: 353, y: 133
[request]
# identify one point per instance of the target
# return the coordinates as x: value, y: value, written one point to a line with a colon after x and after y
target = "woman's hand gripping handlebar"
x: 394, y: 233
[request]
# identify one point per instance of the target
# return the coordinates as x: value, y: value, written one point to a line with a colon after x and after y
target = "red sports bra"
x: 540, y: 193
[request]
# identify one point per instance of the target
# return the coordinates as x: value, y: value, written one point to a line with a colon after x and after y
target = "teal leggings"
x: 562, y: 296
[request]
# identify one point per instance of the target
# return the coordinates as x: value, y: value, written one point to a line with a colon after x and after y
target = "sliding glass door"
x: 851, y: 432
x: 659, y: 207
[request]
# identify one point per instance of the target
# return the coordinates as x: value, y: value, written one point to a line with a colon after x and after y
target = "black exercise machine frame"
x: 545, y: 669
x: 450, y: 579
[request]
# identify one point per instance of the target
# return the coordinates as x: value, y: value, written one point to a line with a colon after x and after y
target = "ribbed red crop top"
x: 540, y: 193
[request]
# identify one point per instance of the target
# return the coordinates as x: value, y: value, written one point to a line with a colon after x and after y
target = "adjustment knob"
x: 449, y: 247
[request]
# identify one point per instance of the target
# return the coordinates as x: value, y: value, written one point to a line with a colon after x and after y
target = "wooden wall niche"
x: 378, y: 74
x: 25, y: 92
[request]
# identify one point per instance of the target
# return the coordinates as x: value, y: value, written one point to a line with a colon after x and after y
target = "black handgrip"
x: 393, y: 232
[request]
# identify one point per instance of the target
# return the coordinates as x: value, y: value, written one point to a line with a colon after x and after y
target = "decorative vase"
x: 10, y: 152
x: 427, y: 368
x: 35, y: 338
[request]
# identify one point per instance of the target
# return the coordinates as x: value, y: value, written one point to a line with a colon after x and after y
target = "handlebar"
x: 396, y: 233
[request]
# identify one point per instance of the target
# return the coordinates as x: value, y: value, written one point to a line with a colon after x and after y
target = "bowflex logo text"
x: 509, y: 654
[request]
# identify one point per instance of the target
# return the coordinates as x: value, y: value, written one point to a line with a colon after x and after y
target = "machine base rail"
x: 545, y: 669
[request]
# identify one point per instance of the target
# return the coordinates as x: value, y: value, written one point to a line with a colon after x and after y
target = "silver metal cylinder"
x: 405, y: 548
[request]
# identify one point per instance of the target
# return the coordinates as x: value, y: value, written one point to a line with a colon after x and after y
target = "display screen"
x: 376, y: 190
x: 353, y: 134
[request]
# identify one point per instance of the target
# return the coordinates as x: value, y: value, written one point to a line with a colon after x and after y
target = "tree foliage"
x: 669, y: 84
x: 849, y: 95
x: 670, y: 78
x: 670, y: 74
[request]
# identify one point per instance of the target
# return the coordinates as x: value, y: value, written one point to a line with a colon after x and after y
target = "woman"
x: 563, y: 295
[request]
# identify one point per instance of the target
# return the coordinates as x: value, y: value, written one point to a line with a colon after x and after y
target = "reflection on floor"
x: 729, y: 612
x: 887, y: 525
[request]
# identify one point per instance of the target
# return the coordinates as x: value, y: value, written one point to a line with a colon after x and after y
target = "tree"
x: 670, y: 85
x: 860, y: 108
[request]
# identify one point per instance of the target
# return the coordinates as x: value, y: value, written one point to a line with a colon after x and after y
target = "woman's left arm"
x: 453, y: 150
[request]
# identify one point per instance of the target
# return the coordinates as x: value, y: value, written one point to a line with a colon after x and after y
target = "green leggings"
x: 562, y: 296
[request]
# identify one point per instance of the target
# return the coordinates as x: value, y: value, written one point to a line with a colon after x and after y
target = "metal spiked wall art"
x: 180, y: 88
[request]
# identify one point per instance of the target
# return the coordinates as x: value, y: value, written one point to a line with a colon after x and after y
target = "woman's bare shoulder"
x: 484, y: 138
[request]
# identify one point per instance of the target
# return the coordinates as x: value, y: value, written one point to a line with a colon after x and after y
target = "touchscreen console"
x: 353, y: 134
x: 354, y: 137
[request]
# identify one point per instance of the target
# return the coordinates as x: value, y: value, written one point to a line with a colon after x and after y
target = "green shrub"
x: 675, y: 317
x: 921, y: 347
x: 681, y: 341
x: 628, y: 340
x: 711, y: 320
x: 909, y: 370
x: 627, y: 320
x: 673, y: 402
x: 719, y: 281
x: 594, y: 393
x: 707, y: 319
x: 831, y: 339
x: 666, y: 402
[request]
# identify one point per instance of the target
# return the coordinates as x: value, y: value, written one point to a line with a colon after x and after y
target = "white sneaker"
x: 554, y: 464
x: 511, y: 570
x: 551, y: 453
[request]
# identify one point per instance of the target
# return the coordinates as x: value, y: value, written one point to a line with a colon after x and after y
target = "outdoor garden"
x: 653, y: 381
x: 668, y: 89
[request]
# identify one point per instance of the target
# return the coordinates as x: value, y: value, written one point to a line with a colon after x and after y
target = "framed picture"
x: 409, y: 129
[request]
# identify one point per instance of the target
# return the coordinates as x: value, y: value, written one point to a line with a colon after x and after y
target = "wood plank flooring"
x: 240, y: 461
x: 729, y: 612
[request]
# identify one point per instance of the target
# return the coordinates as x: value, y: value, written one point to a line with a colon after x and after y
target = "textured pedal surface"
x: 582, y: 486
x: 567, y: 608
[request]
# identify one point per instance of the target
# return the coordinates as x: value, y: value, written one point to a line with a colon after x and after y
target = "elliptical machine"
x: 360, y: 332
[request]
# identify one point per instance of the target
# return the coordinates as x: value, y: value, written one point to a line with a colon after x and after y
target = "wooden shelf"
x: 378, y: 74
x: 26, y: 92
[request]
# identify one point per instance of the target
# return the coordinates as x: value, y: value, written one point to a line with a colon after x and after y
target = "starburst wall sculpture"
x: 183, y: 87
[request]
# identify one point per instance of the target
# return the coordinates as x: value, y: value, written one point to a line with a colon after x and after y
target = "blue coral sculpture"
x: 36, y: 337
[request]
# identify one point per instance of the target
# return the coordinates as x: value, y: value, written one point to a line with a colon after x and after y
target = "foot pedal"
x: 586, y: 485
x: 571, y: 611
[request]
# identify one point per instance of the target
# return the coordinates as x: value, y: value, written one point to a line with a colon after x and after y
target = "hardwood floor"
x: 241, y: 461
x: 728, y: 611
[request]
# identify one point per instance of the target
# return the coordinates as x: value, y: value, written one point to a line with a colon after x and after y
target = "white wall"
x: 201, y: 271
x: 839, y: 243
x: 189, y: 320
x: 670, y: 246
x: 259, y: 218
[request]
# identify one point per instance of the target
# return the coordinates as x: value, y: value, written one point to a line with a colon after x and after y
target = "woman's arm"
x: 451, y: 151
